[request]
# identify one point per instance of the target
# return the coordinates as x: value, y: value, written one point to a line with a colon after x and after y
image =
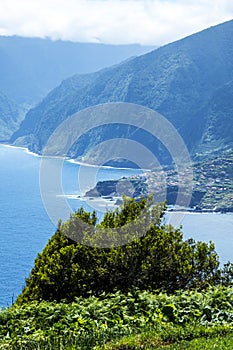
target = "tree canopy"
x: 85, y: 257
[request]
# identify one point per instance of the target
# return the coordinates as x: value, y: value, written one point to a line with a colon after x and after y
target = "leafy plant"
x: 88, y: 323
x: 156, y: 256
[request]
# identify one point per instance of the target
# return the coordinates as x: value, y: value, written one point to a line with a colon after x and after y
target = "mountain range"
x: 31, y: 67
x: 189, y: 81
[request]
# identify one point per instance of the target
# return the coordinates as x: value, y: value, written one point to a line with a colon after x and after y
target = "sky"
x: 147, y: 22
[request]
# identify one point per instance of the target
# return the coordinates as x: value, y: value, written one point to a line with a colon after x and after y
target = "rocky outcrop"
x: 131, y: 187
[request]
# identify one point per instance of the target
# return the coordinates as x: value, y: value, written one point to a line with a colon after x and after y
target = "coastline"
x: 25, y: 149
x: 104, y: 200
x: 73, y: 161
x: 70, y: 160
x: 193, y: 211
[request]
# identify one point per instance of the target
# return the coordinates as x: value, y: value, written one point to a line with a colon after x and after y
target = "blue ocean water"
x: 26, y: 227
x: 214, y: 227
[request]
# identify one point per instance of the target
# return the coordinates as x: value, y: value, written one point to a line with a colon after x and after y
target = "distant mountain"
x: 189, y: 81
x: 9, y: 117
x: 31, y: 67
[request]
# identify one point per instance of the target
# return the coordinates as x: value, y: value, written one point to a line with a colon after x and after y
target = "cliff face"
x: 31, y: 67
x: 9, y: 117
x: 188, y: 81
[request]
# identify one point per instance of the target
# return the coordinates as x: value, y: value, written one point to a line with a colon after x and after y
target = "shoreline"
x: 140, y: 171
x: 70, y: 160
x: 73, y: 161
x: 204, y: 211
x: 25, y: 149
x: 112, y: 200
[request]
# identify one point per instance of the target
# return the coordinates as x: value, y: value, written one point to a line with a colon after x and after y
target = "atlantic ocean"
x: 26, y: 227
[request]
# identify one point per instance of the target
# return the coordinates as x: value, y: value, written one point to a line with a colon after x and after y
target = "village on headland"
x: 212, y: 186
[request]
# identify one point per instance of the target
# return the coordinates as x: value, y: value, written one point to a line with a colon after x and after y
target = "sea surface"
x: 26, y: 226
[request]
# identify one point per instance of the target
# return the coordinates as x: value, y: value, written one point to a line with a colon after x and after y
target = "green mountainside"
x: 9, y: 117
x: 219, y: 120
x: 188, y: 81
x: 31, y: 67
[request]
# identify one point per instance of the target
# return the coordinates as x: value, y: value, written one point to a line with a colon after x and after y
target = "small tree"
x: 156, y: 256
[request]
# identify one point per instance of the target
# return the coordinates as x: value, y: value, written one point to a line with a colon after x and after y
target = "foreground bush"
x: 157, y: 259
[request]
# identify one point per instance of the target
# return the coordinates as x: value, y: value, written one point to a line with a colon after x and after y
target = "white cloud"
x: 112, y: 21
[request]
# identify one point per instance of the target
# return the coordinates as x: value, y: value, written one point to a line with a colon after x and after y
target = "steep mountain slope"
x: 188, y: 81
x: 31, y: 67
x: 9, y: 117
x: 219, y: 120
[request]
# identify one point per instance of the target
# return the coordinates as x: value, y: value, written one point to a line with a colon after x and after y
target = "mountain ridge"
x: 179, y: 80
x: 31, y: 67
x: 44, y: 63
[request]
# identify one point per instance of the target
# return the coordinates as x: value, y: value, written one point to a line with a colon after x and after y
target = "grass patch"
x: 150, y: 341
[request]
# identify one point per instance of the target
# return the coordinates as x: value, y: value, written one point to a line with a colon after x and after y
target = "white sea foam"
x: 74, y: 161
x: 24, y: 149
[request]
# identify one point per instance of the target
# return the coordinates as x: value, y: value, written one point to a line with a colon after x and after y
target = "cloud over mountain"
x: 112, y: 21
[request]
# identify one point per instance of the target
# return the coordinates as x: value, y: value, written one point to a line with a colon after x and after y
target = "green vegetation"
x: 215, y: 178
x: 151, y: 319
x: 31, y: 67
x: 139, y: 252
x: 149, y: 341
x: 156, y: 291
x: 9, y: 117
x: 178, y: 80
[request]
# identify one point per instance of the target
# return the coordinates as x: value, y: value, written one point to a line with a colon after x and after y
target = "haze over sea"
x: 26, y: 227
